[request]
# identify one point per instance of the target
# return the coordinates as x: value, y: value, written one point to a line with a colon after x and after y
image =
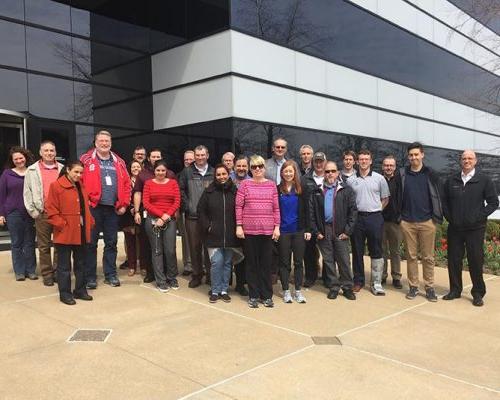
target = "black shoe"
x: 308, y: 283
x: 91, y: 285
x: 194, y: 283
x: 225, y: 298
x: 348, y: 294
x: 32, y: 277
x: 83, y: 296
x: 384, y: 281
x: 186, y: 273
x: 477, y: 301
x: 242, y: 290
x: 54, y: 275
x: 213, y: 298
x: 49, y: 281
x: 430, y: 295
x: 70, y: 301
x: 173, y: 284
x: 397, y: 284
x: 148, y: 279
x: 332, y: 294
x: 451, y: 296
x: 124, y: 265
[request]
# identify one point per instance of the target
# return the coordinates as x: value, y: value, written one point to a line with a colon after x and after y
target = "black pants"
x: 64, y: 269
x: 291, y: 243
x: 369, y: 228
x: 258, y: 253
x: 458, y: 242
x: 311, y: 260
x: 240, y: 273
x: 198, y: 251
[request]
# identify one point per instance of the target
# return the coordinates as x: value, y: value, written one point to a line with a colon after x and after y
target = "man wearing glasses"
x: 273, y: 164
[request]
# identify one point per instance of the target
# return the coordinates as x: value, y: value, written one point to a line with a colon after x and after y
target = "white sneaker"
x: 299, y: 297
x: 287, y: 296
x: 377, y: 289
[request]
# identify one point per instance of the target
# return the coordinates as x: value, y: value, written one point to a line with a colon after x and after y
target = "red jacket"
x: 63, y: 212
x: 91, y: 179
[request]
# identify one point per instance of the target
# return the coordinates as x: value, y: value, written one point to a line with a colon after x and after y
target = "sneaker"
x: 377, y: 289
x: 213, y: 298
x: 225, y: 297
x: 430, y: 295
x: 32, y: 277
x: 348, y: 294
x: 163, y: 287
x: 412, y: 293
x: 268, y: 303
x: 299, y: 297
x: 287, y: 297
x: 20, y: 277
x: 113, y: 281
x: 397, y: 284
x: 253, y: 303
x: 174, y: 284
x: 91, y: 285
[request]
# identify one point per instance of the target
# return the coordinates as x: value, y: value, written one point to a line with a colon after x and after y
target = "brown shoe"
x: 194, y: 282
x: 131, y: 272
x: 356, y: 288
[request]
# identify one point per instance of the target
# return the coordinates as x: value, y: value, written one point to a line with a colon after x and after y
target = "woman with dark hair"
x: 14, y: 214
x: 294, y: 230
x: 68, y: 211
x: 162, y: 199
x: 217, y: 220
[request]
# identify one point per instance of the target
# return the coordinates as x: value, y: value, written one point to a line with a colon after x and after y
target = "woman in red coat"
x: 68, y: 211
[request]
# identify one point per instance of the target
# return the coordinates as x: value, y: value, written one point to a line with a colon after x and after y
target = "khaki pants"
x: 391, y: 241
x: 43, y: 239
x: 419, y: 235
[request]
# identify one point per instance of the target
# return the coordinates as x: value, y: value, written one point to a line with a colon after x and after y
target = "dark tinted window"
x: 51, y: 97
x: 48, y: 13
x: 80, y: 21
x: 133, y: 75
x: 14, y: 93
x: 12, y: 9
x: 130, y: 114
x: 12, y: 44
x: 485, y: 11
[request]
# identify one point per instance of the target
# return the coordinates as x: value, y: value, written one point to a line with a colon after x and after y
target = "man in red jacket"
x: 106, y: 180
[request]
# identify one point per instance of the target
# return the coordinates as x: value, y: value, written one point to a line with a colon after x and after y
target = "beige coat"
x: 33, y: 190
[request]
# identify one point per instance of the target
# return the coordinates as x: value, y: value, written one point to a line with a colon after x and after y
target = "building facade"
x: 234, y: 74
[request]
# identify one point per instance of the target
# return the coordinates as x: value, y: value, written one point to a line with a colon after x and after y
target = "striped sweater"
x: 257, y: 207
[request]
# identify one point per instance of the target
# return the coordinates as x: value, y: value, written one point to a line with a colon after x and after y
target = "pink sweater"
x: 257, y: 207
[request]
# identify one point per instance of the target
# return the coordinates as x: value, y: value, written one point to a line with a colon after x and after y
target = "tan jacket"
x: 33, y: 190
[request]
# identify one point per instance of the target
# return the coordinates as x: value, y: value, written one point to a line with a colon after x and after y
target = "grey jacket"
x: 33, y: 190
x: 192, y: 185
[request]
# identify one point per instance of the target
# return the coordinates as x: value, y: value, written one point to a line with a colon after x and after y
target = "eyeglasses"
x: 260, y: 166
x: 280, y: 147
x: 330, y: 171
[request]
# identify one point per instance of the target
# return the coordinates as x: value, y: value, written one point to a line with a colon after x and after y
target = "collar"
x: 203, y: 170
x: 48, y: 167
x: 369, y: 174
x: 95, y: 156
x: 317, y: 176
x: 469, y: 175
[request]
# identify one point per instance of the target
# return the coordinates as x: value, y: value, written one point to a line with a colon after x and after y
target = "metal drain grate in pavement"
x: 326, y: 340
x: 90, y: 335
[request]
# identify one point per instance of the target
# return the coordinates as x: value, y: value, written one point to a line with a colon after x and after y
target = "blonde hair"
x: 257, y: 160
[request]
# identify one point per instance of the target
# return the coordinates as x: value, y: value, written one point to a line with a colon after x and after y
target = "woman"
x: 14, y: 214
x: 68, y: 211
x: 162, y: 199
x: 134, y: 238
x: 217, y: 219
x: 258, y: 222
x: 294, y: 230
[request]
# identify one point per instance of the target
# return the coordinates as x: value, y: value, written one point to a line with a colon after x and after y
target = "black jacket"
x: 463, y: 205
x: 392, y: 212
x: 192, y: 184
x: 434, y: 190
x: 302, y: 210
x: 217, y: 216
x: 346, y: 212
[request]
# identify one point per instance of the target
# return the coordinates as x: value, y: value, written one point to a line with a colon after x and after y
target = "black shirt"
x: 417, y: 206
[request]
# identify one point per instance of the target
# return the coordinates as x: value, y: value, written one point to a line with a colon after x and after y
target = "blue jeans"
x: 22, y: 238
x: 222, y: 262
x: 106, y: 221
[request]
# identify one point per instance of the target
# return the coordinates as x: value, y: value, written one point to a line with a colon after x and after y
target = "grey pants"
x: 162, y: 242
x: 335, y: 251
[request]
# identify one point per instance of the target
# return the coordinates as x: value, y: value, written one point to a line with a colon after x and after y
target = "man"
x: 372, y: 195
x: 146, y: 174
x: 273, y: 164
x: 306, y: 154
x: 310, y: 182
x: 349, y: 160
x: 240, y: 173
x: 420, y: 211
x: 37, y: 181
x: 188, y: 158
x: 464, y: 198
x: 192, y: 182
x: 333, y: 216
x: 181, y: 224
x: 139, y: 154
x: 106, y: 179
x: 392, y: 236
x: 228, y: 160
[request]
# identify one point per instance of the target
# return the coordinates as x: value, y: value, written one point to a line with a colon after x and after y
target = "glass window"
x: 49, y: 52
x: 14, y: 93
x: 48, y: 13
x: 134, y: 75
x: 80, y: 22
x: 486, y: 12
x: 104, y: 57
x: 12, y: 44
x: 131, y: 114
x: 84, y: 138
x: 12, y: 9
x: 51, y: 97
x: 81, y: 61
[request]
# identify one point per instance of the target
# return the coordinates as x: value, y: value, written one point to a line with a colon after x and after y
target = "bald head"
x: 468, y: 161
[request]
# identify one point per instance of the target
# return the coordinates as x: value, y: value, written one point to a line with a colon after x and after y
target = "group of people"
x: 254, y: 216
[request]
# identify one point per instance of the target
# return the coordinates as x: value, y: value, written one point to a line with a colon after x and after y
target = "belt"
x: 366, y: 213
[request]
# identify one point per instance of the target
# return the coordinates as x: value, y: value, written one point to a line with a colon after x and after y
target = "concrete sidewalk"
x: 177, y: 345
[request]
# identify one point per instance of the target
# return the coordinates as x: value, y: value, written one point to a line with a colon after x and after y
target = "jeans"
x: 22, y: 238
x: 163, y: 244
x: 292, y: 243
x: 222, y: 262
x: 64, y: 270
x: 106, y: 221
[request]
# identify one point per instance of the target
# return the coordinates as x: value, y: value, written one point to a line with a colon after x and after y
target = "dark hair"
x: 349, y: 153
x: 389, y: 157
x: 130, y: 165
x: 415, y: 145
x: 139, y: 147
x: 241, y: 157
x: 296, y: 178
x: 19, y: 149
x: 220, y: 165
x: 365, y: 152
x: 69, y: 166
x: 160, y: 162
x: 155, y: 149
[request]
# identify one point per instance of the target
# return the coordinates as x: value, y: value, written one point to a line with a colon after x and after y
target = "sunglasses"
x: 260, y: 166
x: 330, y: 171
x: 280, y: 147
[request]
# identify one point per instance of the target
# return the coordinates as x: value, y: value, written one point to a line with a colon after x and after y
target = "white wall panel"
x: 425, y: 132
x: 456, y: 114
x: 486, y: 144
x: 396, y: 127
x: 453, y: 138
x: 311, y: 73
x: 350, y: 84
x: 397, y: 97
x: 399, y: 12
x: 312, y: 111
x: 425, y: 26
x: 353, y: 119
x: 425, y: 105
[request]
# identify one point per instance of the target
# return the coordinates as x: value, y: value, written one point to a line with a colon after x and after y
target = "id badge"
x: 108, y: 180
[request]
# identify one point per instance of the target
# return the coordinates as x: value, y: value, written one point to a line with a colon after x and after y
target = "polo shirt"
x: 369, y: 191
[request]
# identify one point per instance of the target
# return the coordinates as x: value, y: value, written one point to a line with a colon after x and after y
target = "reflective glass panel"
x: 12, y: 9
x: 51, y: 97
x: 12, y: 44
x: 48, y: 13
x: 14, y: 93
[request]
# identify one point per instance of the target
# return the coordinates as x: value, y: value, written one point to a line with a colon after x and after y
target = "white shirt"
x: 202, y: 171
x: 318, y: 179
x: 467, y: 178
x: 278, y: 170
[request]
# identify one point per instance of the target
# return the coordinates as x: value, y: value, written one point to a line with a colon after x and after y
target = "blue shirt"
x: 109, y: 193
x: 289, y: 212
x: 417, y: 205
x: 329, y: 192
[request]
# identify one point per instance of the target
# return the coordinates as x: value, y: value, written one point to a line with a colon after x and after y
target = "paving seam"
x: 6, y: 303
x: 416, y: 367
x: 248, y: 371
